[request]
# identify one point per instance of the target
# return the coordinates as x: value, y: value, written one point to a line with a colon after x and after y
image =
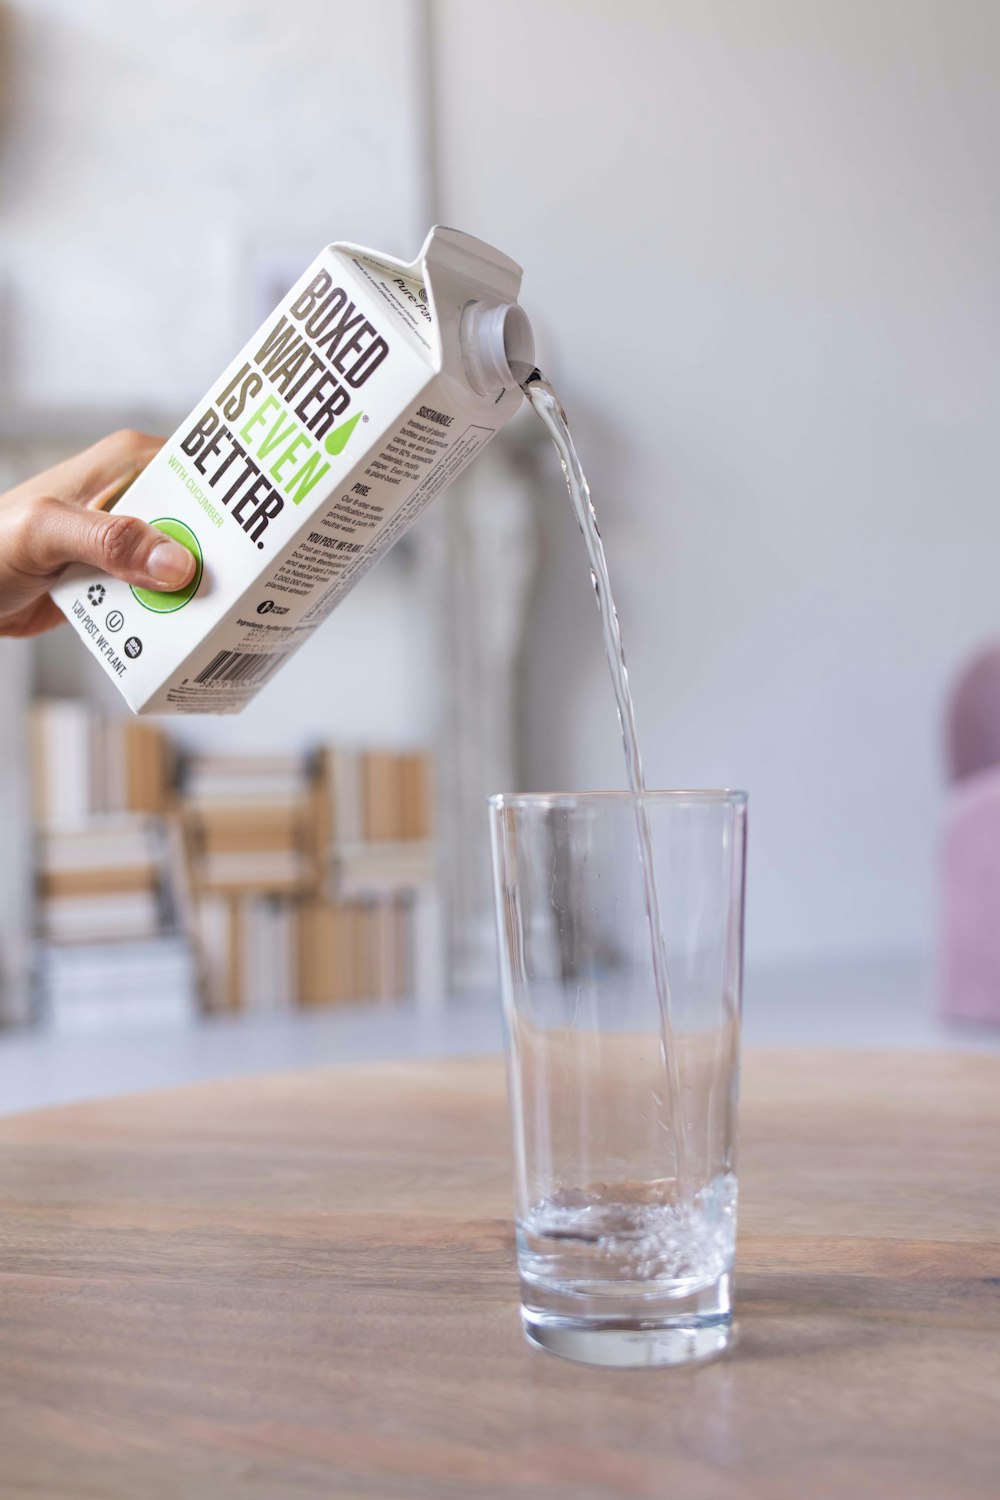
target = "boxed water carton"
x: 366, y: 392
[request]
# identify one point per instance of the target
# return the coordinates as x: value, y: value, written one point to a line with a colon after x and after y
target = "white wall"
x: 760, y: 246
x: 765, y: 277
x: 153, y: 154
x: 160, y: 163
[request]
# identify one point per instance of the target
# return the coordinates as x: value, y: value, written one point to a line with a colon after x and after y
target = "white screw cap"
x: 494, y: 340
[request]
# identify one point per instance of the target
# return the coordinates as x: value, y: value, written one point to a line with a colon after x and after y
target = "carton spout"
x: 498, y: 346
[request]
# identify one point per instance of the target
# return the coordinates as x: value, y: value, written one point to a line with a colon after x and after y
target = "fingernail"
x: 170, y: 563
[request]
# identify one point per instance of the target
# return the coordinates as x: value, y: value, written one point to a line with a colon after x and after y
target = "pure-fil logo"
x: 417, y: 300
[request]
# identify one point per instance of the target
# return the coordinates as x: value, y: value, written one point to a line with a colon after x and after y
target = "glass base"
x: 654, y: 1333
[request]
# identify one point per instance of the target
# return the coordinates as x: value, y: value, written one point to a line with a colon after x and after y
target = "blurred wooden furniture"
x: 303, y: 1285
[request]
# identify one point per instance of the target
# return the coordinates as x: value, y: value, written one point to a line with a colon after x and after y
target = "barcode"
x: 241, y: 666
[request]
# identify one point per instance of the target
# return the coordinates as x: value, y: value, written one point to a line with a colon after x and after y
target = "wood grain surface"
x: 304, y: 1286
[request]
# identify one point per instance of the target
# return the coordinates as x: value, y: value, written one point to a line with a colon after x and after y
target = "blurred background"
x: 759, y: 241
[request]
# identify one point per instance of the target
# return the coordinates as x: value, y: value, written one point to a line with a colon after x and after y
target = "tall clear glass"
x: 626, y: 1194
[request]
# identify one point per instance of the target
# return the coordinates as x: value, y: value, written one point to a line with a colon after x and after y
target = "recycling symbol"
x: 96, y: 593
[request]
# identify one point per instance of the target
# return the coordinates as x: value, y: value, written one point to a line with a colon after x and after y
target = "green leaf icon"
x: 337, y: 440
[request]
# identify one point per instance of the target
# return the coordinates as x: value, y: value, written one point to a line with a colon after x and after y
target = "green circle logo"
x: 165, y: 604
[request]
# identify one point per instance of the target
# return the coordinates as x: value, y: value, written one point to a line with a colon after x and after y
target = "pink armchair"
x: 970, y: 967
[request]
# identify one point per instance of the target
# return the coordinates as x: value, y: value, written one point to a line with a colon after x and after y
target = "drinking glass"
x: 623, y: 1107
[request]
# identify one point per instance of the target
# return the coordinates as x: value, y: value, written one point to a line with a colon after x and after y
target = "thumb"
x: 123, y: 546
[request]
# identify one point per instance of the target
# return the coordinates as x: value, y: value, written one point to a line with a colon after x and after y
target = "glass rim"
x: 708, y: 796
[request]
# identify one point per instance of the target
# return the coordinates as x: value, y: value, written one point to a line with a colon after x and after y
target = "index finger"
x: 100, y: 474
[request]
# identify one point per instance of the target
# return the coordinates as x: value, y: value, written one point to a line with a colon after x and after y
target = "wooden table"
x: 303, y: 1285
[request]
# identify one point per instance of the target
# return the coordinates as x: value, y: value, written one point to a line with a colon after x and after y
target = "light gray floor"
x: 879, y: 1005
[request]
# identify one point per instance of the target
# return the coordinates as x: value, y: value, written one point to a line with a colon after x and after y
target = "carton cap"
x: 498, y: 346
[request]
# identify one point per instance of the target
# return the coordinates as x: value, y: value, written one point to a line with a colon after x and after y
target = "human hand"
x: 57, y: 518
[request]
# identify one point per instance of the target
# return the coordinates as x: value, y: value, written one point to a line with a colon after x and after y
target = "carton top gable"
x: 429, y: 294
